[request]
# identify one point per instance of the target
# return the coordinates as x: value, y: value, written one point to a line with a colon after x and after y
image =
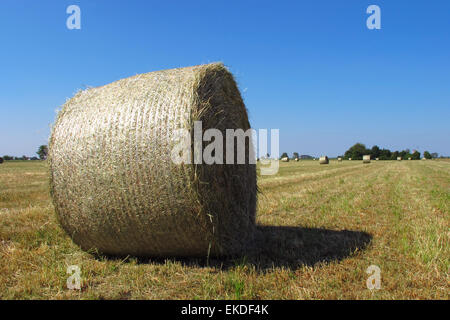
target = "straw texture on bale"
x: 323, y: 160
x: 366, y: 158
x: 114, y: 185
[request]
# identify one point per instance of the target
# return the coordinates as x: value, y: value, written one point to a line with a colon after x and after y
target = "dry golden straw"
x: 114, y: 186
x: 323, y: 160
x: 366, y: 158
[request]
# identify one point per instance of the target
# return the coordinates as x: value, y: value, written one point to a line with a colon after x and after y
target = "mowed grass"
x: 321, y: 227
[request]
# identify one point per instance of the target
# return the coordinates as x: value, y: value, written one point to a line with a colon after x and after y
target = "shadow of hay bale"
x: 293, y: 247
x: 288, y: 247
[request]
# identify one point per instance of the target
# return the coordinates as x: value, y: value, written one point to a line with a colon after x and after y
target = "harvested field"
x: 321, y: 227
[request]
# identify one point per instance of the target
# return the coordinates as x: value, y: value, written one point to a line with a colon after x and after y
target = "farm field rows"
x: 320, y: 228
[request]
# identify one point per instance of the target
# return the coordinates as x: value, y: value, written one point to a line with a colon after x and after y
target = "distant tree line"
x: 6, y: 157
x: 42, y: 153
x: 357, y: 151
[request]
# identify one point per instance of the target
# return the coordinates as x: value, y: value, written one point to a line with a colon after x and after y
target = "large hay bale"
x: 366, y: 158
x: 323, y: 160
x: 399, y: 158
x: 114, y: 186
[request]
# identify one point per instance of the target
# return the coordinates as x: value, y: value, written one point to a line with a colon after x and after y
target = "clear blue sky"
x: 310, y: 68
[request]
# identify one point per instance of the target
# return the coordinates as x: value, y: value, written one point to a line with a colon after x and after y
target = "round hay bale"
x: 1, y: 160
x: 296, y: 159
x: 399, y: 158
x: 339, y: 159
x: 409, y: 158
x: 323, y: 160
x: 114, y: 185
x: 285, y: 159
x: 376, y: 159
x: 366, y: 158
x: 349, y: 159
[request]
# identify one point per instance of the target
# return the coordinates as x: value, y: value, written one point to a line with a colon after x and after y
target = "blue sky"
x: 310, y: 68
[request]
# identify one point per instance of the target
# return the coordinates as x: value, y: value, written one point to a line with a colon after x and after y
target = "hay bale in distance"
x: 376, y: 159
x: 339, y: 159
x: 366, y: 158
x: 399, y: 158
x: 1, y: 160
x: 323, y: 160
x: 114, y: 185
x: 296, y: 159
x: 285, y: 159
x: 349, y: 159
x: 409, y: 158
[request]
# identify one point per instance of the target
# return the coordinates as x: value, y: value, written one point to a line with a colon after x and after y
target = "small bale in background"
x: 324, y: 160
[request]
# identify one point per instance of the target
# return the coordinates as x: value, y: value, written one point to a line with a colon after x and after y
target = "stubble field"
x: 321, y: 227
